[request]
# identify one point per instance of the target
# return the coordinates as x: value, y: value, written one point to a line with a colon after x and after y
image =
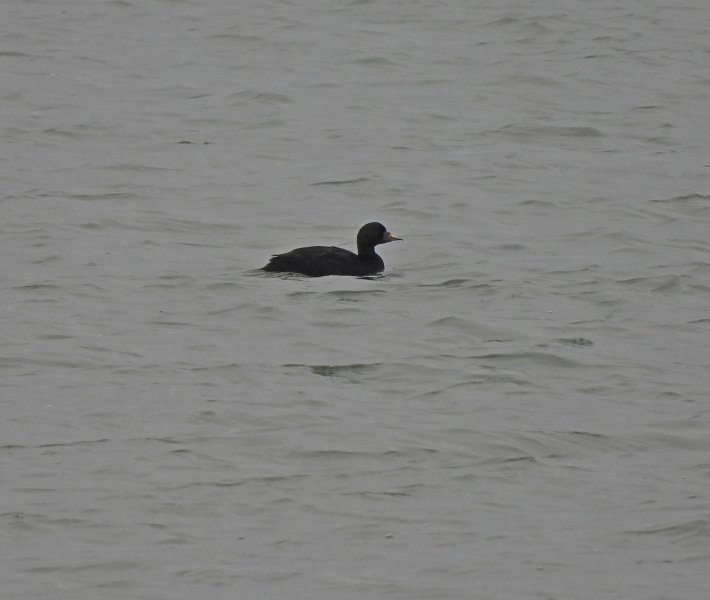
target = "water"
x: 516, y: 409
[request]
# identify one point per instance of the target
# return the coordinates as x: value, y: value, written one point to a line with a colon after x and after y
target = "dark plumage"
x: 317, y: 261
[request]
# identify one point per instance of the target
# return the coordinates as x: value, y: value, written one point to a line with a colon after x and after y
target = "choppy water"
x: 517, y: 409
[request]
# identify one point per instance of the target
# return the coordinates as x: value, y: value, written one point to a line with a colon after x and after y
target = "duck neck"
x: 366, y: 251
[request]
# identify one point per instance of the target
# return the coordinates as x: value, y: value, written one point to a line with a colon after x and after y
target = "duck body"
x: 318, y: 261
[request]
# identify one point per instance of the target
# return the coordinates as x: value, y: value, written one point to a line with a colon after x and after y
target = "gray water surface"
x: 517, y: 409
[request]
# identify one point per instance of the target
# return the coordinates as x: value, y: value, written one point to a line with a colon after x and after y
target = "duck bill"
x: 389, y: 237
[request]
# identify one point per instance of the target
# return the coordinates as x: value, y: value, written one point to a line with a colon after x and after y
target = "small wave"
x: 549, y: 131
x: 684, y: 533
x: 337, y: 370
x: 540, y: 358
x: 578, y: 341
x: 660, y: 283
x: 262, y: 97
x: 341, y: 181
